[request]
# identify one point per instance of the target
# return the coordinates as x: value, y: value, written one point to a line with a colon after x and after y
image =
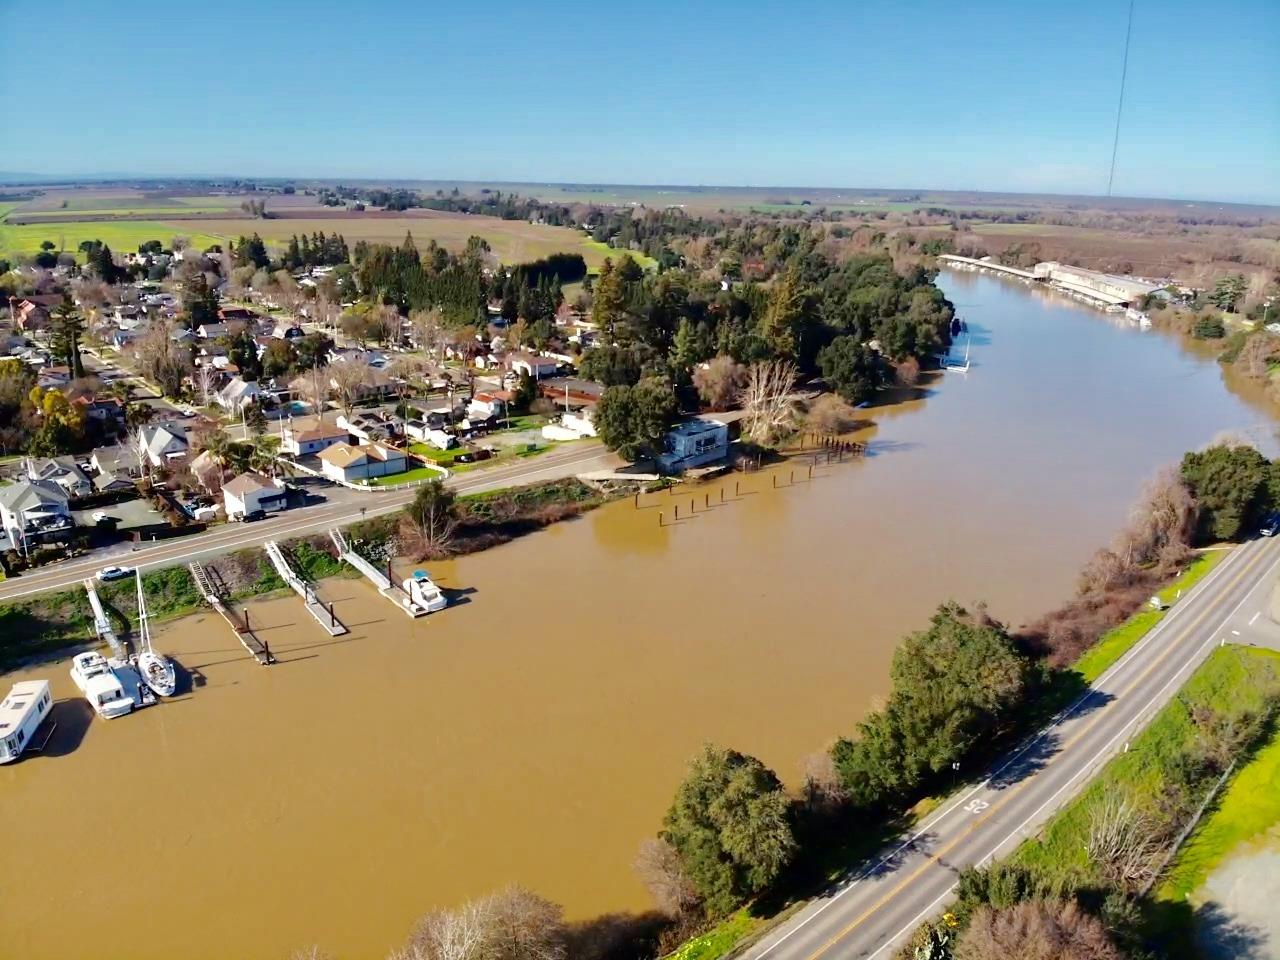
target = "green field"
x: 603, y: 250
x: 122, y: 236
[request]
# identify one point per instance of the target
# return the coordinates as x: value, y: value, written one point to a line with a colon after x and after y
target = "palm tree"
x: 217, y: 445
x: 265, y: 451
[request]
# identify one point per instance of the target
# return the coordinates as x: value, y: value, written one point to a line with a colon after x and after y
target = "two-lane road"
x: 872, y: 914
x: 582, y: 457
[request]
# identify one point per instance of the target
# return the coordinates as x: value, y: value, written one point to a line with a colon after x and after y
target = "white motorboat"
x: 155, y: 669
x: 100, y: 686
x: 424, y: 592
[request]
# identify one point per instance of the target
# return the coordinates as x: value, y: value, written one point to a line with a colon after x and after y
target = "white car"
x: 114, y: 573
x: 99, y: 515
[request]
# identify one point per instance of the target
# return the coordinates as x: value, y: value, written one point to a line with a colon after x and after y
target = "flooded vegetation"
x: 534, y: 732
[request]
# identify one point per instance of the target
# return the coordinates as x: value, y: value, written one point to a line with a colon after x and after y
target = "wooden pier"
x: 213, y: 596
x: 323, y: 615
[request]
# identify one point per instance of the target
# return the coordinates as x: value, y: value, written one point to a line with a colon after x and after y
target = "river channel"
x: 534, y: 733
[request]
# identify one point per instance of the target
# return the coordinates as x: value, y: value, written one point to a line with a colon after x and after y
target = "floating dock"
x: 212, y: 596
x: 381, y: 580
x: 101, y: 623
x: 323, y: 615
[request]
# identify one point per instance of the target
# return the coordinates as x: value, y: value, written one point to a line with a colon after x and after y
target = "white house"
x: 238, y: 394
x: 252, y: 491
x: 211, y: 331
x: 485, y: 405
x: 306, y: 436
x: 372, y: 425
x: 33, y: 508
x: 351, y: 464
x: 536, y: 367
x: 571, y: 426
x: 161, y: 443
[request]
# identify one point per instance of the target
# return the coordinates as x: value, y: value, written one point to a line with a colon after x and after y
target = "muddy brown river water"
x: 534, y: 732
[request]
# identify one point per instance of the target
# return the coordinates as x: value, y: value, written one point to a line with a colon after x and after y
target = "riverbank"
x: 50, y: 624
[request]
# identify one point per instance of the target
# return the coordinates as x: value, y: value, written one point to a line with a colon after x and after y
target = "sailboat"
x: 156, y: 670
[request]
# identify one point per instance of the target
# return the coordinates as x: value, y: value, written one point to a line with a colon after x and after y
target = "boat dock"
x: 323, y: 615
x: 213, y: 596
x: 101, y: 623
x: 386, y: 586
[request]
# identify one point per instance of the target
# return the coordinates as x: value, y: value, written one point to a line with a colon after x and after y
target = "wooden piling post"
x: 706, y: 500
x: 333, y: 620
x: 811, y: 471
x: 661, y: 523
x: 793, y: 477
x: 637, y: 499
x: 736, y: 491
x: 677, y: 511
x: 722, y: 494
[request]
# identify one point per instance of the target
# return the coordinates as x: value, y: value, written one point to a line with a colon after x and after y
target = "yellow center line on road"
x: 1004, y: 800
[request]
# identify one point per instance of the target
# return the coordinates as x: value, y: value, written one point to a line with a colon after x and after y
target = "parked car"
x: 1271, y: 526
x: 107, y: 574
x: 99, y: 516
x: 253, y: 515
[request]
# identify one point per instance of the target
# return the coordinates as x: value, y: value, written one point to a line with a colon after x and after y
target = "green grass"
x: 123, y: 236
x: 1248, y: 808
x: 1113, y: 644
x: 421, y: 473
x: 720, y: 939
x: 602, y: 248
x: 1232, y: 681
x: 137, y: 212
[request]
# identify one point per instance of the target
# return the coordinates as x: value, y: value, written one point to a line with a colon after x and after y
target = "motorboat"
x: 424, y: 593
x: 98, y: 682
x: 157, y: 672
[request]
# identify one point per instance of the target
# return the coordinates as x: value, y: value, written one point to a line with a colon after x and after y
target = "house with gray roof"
x: 34, y: 509
x: 63, y: 471
x: 162, y: 443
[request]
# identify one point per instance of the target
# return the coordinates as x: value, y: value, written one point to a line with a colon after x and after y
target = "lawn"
x: 1248, y: 807
x: 1113, y: 644
x: 602, y: 250
x: 122, y: 236
x: 421, y: 473
x: 720, y: 939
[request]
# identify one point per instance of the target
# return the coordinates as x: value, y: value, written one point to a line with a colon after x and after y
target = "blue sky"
x: 895, y: 93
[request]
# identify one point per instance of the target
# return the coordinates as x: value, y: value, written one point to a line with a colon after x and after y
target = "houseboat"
x: 100, y: 685
x: 21, y: 714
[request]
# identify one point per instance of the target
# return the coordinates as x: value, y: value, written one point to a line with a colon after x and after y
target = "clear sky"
x: 990, y: 95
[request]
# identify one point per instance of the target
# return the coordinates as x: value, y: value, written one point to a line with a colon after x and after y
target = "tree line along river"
x: 536, y: 732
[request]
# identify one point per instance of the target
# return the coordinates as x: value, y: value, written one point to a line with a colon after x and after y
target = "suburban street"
x: 347, y: 507
x: 870, y: 915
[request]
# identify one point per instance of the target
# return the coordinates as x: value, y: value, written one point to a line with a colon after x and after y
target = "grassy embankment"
x: 1115, y: 643
x: 44, y: 624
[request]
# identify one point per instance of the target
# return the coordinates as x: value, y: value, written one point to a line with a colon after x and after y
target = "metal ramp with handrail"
x: 323, y: 615
x: 378, y: 578
x: 101, y: 623
x: 212, y: 594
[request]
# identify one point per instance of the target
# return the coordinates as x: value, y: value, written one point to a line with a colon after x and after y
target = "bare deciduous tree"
x: 824, y: 790
x: 768, y: 407
x: 205, y: 378
x: 1035, y: 930
x: 163, y: 360
x: 658, y: 865
x: 719, y: 381
x: 1123, y: 841
x: 428, y: 330
x: 349, y: 379
x: 512, y: 924
x: 829, y: 414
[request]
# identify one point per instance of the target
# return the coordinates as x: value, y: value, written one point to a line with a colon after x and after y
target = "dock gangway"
x: 378, y: 578
x: 213, y: 596
x: 323, y: 615
x: 101, y: 623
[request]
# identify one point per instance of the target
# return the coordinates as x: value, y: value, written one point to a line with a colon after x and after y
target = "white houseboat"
x: 100, y: 685
x: 424, y: 592
x: 21, y: 713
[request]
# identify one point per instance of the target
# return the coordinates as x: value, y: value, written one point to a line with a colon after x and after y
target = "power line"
x: 1124, y: 72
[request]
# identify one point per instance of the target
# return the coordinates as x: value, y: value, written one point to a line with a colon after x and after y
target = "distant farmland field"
x: 512, y: 241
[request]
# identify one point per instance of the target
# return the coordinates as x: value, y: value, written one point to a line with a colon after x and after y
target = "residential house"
x: 571, y: 426
x: 240, y: 314
x: 288, y: 330
x: 32, y: 312
x: 372, y: 425
x: 485, y: 405
x: 182, y: 335
x: 114, y: 459
x: 110, y: 482
x: 571, y: 392
x: 693, y: 443
x: 536, y: 367
x: 238, y: 394
x: 34, y: 509
x: 53, y: 377
x: 250, y: 492
x: 63, y: 471
x: 107, y: 412
x: 207, y: 471
x: 162, y: 443
x: 351, y: 464
x: 121, y: 339
x: 307, y: 436
x: 211, y: 331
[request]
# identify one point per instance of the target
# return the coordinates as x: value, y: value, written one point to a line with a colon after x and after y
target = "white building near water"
x: 251, y: 492
x: 21, y: 714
